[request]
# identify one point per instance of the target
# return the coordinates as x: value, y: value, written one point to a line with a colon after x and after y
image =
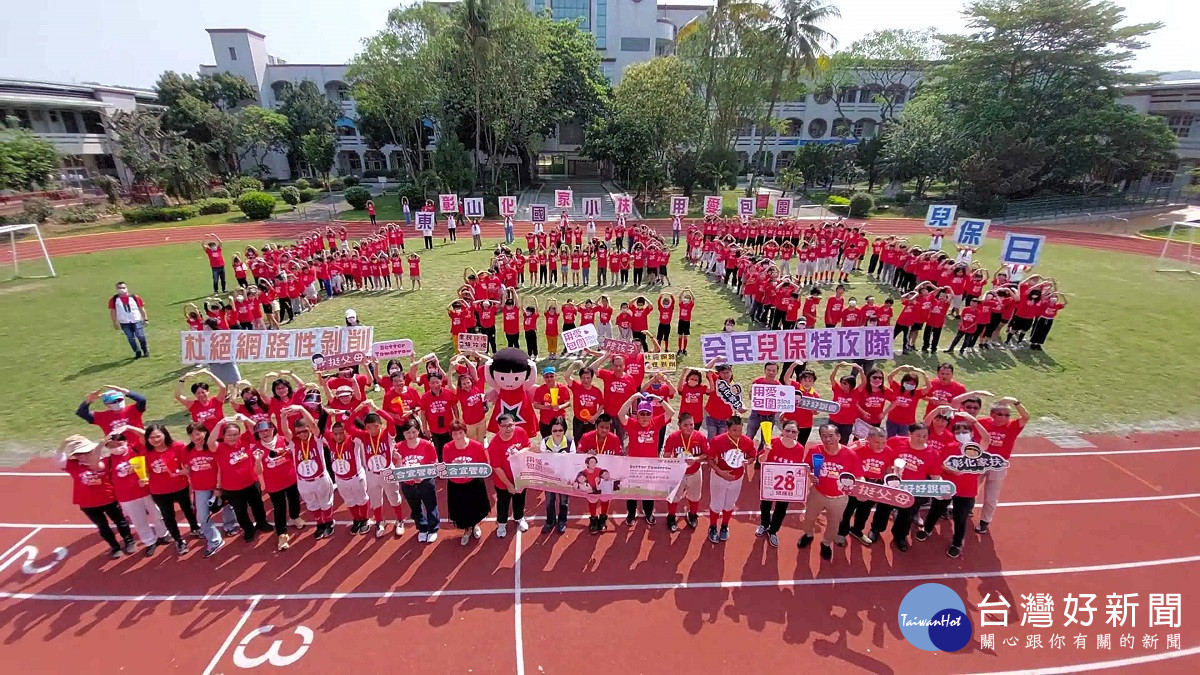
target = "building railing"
x: 1051, y: 208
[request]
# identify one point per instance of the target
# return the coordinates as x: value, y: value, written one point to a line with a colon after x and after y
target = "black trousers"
x: 965, y: 338
x: 932, y: 335
x: 772, y: 515
x: 579, y: 428
x: 873, y: 263
x: 218, y: 275
x: 531, y: 346
x: 285, y: 505
x: 631, y: 506
x: 624, y: 276
x: 490, y: 332
x: 601, y: 276
x: 245, y: 502
x: 504, y: 499
x: 1041, y: 328
x: 637, y: 274
x: 100, y: 515
x: 428, y: 243
x: 440, y: 440
x: 514, y: 340
x: 286, y: 308
x: 962, y: 512
x: 166, y: 506
x: 854, y: 518
x: 640, y: 338
x: 453, y: 233
x: 902, y: 525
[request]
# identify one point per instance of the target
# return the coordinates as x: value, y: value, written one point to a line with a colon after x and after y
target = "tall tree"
x: 26, y: 161
x: 259, y: 132
x: 157, y: 156
x: 887, y: 62
x: 318, y: 151
x: 307, y: 111
x: 201, y: 110
x: 795, y: 24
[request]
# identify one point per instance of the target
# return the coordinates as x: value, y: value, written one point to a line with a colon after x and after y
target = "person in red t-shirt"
x: 903, y: 398
x: 619, y: 385
x: 93, y: 492
x: 687, y: 303
x: 439, y: 408
x: 206, y: 409
x: 968, y: 324
x: 508, y: 441
x: 421, y: 495
x: 934, y: 321
x: 276, y: 464
x: 551, y: 399
x: 876, y: 460
x: 784, y: 449
x: 666, y: 311
x: 827, y: 496
x: 314, y: 483
x: 1003, y: 431
x: 1047, y: 310
x: 216, y: 261
x: 731, y: 456
x: 912, y: 459
x: 166, y: 468
x: 966, y: 485
x: 692, y: 446
x: 643, y: 433
x: 586, y: 399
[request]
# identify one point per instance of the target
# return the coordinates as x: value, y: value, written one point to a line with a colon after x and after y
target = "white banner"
x: 537, y: 213
x: 425, y: 221
x: 563, y: 199
x: 971, y: 232
x: 712, y: 205
x: 623, y: 204
x: 781, y: 482
x: 817, y: 344
x: 473, y: 207
x: 661, y: 362
x: 783, y: 207
x: 773, y: 397
x: 745, y: 206
x: 679, y: 205
x: 578, y: 339
x: 448, y: 203
x: 392, y: 349
x: 940, y: 216
x: 249, y: 346
x: 508, y: 205
x: 598, y: 477
x: 472, y: 342
x: 591, y: 207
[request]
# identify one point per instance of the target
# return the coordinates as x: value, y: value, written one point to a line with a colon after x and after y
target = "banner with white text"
x: 249, y: 346
x: 816, y: 344
x: 598, y: 477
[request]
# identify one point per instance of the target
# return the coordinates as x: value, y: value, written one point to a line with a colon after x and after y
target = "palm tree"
x: 481, y: 27
x: 801, y: 41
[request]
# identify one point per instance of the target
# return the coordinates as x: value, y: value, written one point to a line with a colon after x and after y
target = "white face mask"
x: 908, y: 386
x: 119, y: 405
x: 963, y: 437
x: 853, y: 303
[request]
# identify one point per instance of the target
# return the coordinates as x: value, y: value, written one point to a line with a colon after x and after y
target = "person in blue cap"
x: 122, y: 407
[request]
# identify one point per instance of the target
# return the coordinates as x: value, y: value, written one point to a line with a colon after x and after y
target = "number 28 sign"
x: 784, y: 482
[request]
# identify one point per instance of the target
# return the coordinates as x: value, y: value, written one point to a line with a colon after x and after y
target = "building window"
x: 848, y: 95
x: 841, y: 128
x: 54, y: 116
x: 663, y: 46
x: 817, y: 128
x: 823, y: 96
x: 573, y: 10
x: 629, y: 44
x: 70, y: 123
x: 570, y: 133
x: 795, y: 127
x: 601, y: 31
x: 92, y: 124
x: 1180, y: 124
x: 864, y: 128
x: 746, y: 128
x: 232, y: 54
x: 609, y: 69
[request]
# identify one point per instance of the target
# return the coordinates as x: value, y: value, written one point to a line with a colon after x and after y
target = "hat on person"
x: 345, y: 389
x: 351, y: 314
x: 112, y: 396
x: 548, y: 370
x: 78, y: 445
x: 263, y: 425
x: 645, y: 407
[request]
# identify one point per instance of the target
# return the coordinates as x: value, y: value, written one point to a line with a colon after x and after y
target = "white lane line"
x: 546, y: 590
x: 1134, y: 451
x: 19, y: 544
x: 237, y: 630
x: 518, y: 633
x: 747, y: 512
x: 1101, y: 665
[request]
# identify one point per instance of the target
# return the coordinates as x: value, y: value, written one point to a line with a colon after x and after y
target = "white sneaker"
x: 502, y: 530
x: 431, y: 537
x: 522, y: 525
x: 380, y: 530
x: 421, y: 537
x: 476, y: 532
x: 399, y: 528
x: 297, y: 523
x: 760, y: 531
x: 466, y: 538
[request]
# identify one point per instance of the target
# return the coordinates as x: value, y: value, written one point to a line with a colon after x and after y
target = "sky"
x: 130, y: 42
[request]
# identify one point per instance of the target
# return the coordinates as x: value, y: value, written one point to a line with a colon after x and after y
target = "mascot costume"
x: 510, y: 374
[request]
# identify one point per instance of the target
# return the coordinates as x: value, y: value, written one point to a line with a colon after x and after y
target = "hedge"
x: 335, y: 184
x: 357, y: 197
x: 308, y: 194
x: 243, y: 184
x: 219, y: 193
x: 160, y: 214
x: 350, y: 180
x: 861, y: 204
x: 291, y: 195
x: 211, y: 206
x: 302, y: 184
x: 256, y: 204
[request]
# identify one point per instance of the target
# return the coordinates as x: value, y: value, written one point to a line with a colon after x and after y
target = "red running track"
x: 655, y: 601
x: 265, y: 230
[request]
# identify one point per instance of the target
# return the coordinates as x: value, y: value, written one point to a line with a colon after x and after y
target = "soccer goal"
x: 14, y: 251
x: 1188, y: 264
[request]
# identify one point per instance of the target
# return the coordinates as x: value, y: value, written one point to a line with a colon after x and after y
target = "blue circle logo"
x: 933, y: 617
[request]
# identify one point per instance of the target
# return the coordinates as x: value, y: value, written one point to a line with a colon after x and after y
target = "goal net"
x: 1180, y: 253
x: 23, y: 253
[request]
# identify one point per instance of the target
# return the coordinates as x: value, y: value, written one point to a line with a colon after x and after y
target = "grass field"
x: 1118, y: 353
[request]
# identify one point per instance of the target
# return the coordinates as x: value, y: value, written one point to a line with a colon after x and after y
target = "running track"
x: 1118, y: 518
x: 263, y: 230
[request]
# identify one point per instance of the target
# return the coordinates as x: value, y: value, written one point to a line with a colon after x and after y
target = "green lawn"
x: 234, y: 215
x: 1117, y: 354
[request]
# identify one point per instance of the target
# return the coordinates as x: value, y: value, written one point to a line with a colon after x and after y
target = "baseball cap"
x: 645, y: 407
x: 263, y: 425
x: 112, y: 396
x: 351, y: 314
x: 548, y: 370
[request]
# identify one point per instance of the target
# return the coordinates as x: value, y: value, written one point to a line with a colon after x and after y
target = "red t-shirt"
x: 780, y: 453
x: 695, y: 445
x: 919, y: 463
x: 643, y: 441
x: 542, y: 396
x: 875, y: 465
x: 965, y: 484
x: 617, y: 390
x: 439, y: 410
x: 90, y: 487
x: 499, y: 451
x: 162, y: 467
x: 640, y: 318
x: 471, y: 403
x: 236, y: 465
x: 208, y: 413
x: 1004, y: 435
x: 344, y: 456
x: 723, y: 444
x: 202, y: 467
x: 691, y: 400
x: 905, y: 409
x: 847, y: 414
x: 422, y: 454
x: 310, y: 458
x: 107, y: 419
x: 215, y: 257
x: 278, y: 465
x: 834, y: 465
x: 586, y: 398
x: 126, y: 483
x: 942, y: 393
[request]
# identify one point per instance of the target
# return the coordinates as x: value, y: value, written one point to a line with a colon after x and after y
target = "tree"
x: 154, y: 155
x: 261, y: 131
x: 1053, y: 69
x: 654, y: 98
x: 869, y: 157
x: 800, y: 40
x: 452, y: 165
x: 200, y: 109
x: 397, y: 81
x: 318, y: 151
x: 816, y: 163
x: 26, y: 161
x: 307, y: 111
x: 922, y: 144
x: 886, y: 62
